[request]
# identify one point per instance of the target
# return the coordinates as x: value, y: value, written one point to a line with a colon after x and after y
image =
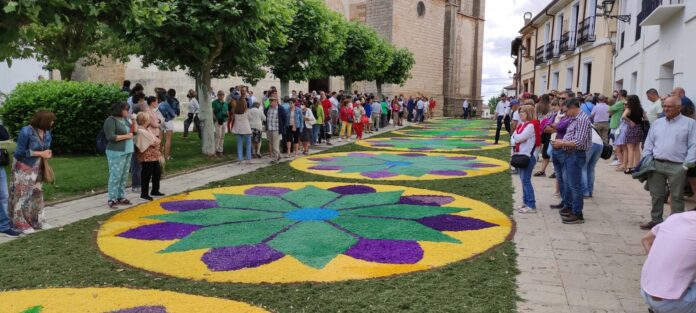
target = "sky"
x: 504, y: 19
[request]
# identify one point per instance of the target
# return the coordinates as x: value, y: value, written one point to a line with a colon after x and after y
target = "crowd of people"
x: 654, y: 141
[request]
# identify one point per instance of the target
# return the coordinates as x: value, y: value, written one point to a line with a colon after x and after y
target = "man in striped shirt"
x: 577, y: 140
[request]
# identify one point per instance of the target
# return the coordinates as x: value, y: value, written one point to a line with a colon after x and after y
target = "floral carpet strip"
x: 115, y: 300
x: 383, y: 165
x: 457, y: 124
x: 296, y: 232
x: 421, y: 144
x: 445, y: 132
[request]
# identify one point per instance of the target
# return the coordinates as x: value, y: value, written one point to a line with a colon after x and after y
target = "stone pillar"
x: 448, y: 64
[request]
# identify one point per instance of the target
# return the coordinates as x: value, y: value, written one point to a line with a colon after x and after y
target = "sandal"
x: 112, y: 204
x: 539, y: 174
x: 123, y: 201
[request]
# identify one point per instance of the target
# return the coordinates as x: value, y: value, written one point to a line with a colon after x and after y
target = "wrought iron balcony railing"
x: 586, y: 31
x: 568, y: 42
x: 540, y: 56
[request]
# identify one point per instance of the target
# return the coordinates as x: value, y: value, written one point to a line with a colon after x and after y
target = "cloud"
x: 503, y: 22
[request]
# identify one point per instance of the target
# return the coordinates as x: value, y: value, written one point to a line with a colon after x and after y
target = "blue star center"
x: 311, y: 214
x: 398, y: 163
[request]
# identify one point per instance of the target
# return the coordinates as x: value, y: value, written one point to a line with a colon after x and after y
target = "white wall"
x: 658, y: 45
x: 21, y: 71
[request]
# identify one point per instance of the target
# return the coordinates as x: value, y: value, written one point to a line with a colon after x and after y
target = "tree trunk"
x: 379, y: 89
x: 206, y: 112
x: 347, y: 86
x: 66, y: 74
x: 284, y: 89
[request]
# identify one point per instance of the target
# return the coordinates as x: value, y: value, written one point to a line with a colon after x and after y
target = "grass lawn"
x: 69, y: 257
x: 87, y: 174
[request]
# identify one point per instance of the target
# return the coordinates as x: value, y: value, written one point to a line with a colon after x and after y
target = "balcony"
x: 657, y: 12
x: 552, y: 50
x: 540, y: 57
x: 567, y: 42
x: 586, y: 31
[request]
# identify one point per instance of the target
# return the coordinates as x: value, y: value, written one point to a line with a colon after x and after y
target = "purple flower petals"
x: 236, y: 258
x: 454, y: 223
x: 319, y: 159
x: 449, y: 173
x: 379, y: 174
x: 353, y: 189
x: 160, y: 231
x: 462, y: 158
x: 189, y: 205
x: 267, y: 191
x: 143, y: 309
x: 386, y: 251
x: 326, y: 167
x: 426, y: 200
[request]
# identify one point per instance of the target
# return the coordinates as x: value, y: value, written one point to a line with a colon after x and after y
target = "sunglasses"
x: 561, y: 98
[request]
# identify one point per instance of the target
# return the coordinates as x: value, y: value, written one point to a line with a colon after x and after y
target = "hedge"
x: 80, y: 109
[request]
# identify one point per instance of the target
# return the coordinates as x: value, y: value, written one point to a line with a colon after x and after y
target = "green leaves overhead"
x: 365, y: 55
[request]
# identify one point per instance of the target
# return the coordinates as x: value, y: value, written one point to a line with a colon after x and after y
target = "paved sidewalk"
x: 592, y: 267
x: 68, y: 212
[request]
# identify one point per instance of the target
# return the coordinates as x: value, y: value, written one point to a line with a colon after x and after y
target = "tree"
x: 364, y: 58
x: 62, y: 45
x: 399, y: 70
x: 213, y: 38
x: 316, y: 34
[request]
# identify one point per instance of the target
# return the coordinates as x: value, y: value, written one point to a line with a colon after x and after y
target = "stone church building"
x: 446, y: 37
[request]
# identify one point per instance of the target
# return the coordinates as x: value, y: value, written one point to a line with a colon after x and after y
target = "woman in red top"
x: 431, y: 107
x: 346, y: 117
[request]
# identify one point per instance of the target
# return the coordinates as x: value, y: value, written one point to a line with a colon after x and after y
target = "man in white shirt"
x: 652, y: 107
x: 465, y: 109
x: 419, y: 110
x: 502, y: 111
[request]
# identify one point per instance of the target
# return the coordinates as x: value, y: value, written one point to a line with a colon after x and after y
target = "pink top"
x: 671, y: 264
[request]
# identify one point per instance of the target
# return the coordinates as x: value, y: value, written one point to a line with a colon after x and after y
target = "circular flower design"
x: 115, y: 300
x: 420, y: 144
x: 457, y: 124
x: 398, y: 165
x: 444, y: 132
x: 296, y: 232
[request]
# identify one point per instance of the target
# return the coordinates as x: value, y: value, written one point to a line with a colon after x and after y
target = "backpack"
x: 102, y: 142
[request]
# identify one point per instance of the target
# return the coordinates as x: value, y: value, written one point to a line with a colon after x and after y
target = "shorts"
x: 255, y: 135
x: 306, y: 135
x: 290, y: 135
x: 168, y: 126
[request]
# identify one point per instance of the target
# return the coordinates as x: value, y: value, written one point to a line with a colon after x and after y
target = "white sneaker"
x: 615, y: 163
x: 340, y: 140
x: 46, y: 226
x: 28, y: 231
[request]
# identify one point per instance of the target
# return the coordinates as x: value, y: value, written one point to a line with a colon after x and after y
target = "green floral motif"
x: 313, y: 225
x: 35, y: 309
x: 423, y: 144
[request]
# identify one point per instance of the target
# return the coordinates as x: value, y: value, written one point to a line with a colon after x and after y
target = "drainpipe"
x: 553, y: 27
x: 584, y: 16
x: 536, y: 45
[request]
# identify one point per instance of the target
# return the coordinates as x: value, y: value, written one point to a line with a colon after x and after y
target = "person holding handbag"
x: 5, y: 225
x: 524, y: 140
x: 119, y: 131
x: 149, y: 155
x: 26, y: 203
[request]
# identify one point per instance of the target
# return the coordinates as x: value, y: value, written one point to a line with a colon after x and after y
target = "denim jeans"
x: 558, y: 156
x: 135, y: 169
x: 4, y: 196
x: 687, y: 303
x: 527, y: 188
x: 242, y: 139
x: 574, y: 162
x: 588, y: 170
x: 315, y: 133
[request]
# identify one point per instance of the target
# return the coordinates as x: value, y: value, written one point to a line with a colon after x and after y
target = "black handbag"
x: 4, y: 157
x: 607, y: 151
x: 519, y: 161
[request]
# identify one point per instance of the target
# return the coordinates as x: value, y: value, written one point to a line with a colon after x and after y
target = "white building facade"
x: 655, y: 50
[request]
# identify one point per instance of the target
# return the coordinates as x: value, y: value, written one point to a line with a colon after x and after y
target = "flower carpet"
x: 421, y: 144
x: 456, y: 123
x: 444, y: 132
x: 115, y: 300
x: 297, y: 232
x: 385, y: 165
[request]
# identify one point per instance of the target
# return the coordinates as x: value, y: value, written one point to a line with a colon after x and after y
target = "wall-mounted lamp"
x: 608, y: 7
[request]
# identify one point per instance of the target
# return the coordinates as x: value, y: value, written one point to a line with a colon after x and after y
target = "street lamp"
x: 608, y: 7
x: 527, y: 17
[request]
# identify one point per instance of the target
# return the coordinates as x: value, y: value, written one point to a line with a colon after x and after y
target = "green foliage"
x: 80, y: 110
x: 61, y: 46
x: 315, y: 35
x: 493, y: 103
x: 365, y: 57
x: 399, y: 70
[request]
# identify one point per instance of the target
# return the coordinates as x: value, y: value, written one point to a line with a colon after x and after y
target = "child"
x: 149, y: 154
